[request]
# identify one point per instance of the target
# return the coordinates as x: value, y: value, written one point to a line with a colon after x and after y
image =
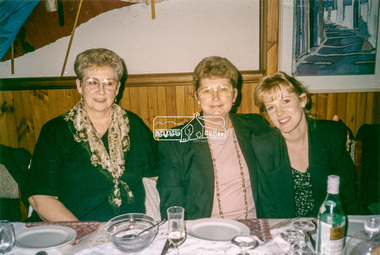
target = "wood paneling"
x: 24, y: 112
x: 271, y: 19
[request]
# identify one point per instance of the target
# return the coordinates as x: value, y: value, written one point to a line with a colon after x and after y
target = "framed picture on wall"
x: 335, y: 37
x: 331, y: 45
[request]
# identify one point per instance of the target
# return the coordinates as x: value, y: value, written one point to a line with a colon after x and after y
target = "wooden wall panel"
x: 331, y: 106
x: 370, y: 107
x: 271, y: 23
x: 341, y: 105
x: 171, y: 105
x: 161, y: 100
x: 8, y: 119
x: 152, y: 104
x: 320, y: 105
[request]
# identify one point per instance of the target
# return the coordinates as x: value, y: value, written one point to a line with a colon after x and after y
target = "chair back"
x: 367, y: 166
x: 15, y: 163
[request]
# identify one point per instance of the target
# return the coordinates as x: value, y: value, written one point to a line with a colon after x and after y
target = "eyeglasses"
x: 222, y: 91
x: 93, y: 83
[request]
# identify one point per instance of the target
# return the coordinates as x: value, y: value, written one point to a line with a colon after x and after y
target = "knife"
x: 166, y: 247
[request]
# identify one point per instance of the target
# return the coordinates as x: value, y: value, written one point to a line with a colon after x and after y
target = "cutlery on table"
x: 166, y: 247
x: 131, y: 236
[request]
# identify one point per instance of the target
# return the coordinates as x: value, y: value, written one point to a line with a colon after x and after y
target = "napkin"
x: 276, y: 246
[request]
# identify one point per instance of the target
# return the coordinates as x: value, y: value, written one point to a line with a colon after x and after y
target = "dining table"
x: 91, y: 238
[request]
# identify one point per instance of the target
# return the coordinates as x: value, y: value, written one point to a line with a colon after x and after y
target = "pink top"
x: 230, y: 180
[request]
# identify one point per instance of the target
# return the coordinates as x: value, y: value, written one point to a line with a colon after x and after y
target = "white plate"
x: 215, y: 229
x: 42, y: 237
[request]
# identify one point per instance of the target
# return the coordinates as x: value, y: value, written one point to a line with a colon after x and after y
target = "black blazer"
x: 327, y: 155
x: 186, y: 175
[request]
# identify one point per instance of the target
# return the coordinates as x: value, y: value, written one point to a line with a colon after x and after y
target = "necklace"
x: 241, y: 174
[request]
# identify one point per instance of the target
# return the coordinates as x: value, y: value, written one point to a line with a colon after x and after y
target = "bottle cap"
x: 333, y: 184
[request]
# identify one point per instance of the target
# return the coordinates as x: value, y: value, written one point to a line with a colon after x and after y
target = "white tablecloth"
x: 97, y: 243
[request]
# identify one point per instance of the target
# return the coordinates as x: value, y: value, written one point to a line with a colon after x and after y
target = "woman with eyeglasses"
x: 89, y: 162
x: 211, y: 170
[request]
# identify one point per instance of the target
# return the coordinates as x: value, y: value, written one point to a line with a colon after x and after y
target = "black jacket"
x: 186, y: 175
x: 327, y: 155
x: 62, y: 167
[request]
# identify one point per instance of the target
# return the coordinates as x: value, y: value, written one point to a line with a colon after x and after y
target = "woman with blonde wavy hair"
x: 300, y: 152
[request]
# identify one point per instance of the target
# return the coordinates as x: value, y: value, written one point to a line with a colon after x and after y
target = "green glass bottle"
x: 331, y: 221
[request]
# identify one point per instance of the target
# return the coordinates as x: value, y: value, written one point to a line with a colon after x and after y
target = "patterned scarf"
x: 118, y: 139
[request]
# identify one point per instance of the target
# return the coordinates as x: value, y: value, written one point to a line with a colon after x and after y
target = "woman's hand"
x: 50, y: 209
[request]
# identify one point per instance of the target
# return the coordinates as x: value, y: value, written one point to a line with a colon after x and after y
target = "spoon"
x: 131, y: 236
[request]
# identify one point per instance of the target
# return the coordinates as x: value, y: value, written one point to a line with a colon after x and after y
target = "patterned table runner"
x: 259, y: 228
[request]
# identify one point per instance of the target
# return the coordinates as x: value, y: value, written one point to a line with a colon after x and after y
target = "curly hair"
x: 269, y: 87
x: 98, y: 58
x: 215, y: 67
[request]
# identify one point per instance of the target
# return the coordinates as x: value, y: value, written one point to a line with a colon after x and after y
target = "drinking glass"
x: 244, y: 242
x: 176, y: 226
x: 307, y: 227
x: 293, y: 237
x: 7, y: 236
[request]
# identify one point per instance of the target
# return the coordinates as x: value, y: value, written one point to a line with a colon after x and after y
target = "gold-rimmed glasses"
x: 92, y: 83
x: 222, y: 91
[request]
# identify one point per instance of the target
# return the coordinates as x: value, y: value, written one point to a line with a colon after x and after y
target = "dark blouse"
x: 62, y: 167
x: 303, y: 193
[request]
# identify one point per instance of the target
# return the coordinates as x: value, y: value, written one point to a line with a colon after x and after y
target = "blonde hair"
x: 270, y: 87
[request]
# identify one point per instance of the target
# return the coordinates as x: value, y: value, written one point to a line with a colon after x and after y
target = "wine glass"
x: 292, y: 237
x: 176, y: 226
x: 7, y: 236
x: 244, y: 242
x: 306, y: 226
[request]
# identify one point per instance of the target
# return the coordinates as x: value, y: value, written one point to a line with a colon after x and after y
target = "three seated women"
x: 88, y: 163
